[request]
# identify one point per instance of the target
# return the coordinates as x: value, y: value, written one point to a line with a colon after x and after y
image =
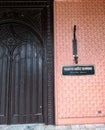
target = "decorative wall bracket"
x: 75, y: 55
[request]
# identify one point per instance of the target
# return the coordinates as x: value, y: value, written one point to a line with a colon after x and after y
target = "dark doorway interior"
x: 26, y: 62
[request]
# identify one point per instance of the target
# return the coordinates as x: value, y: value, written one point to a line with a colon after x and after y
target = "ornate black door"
x: 26, y: 62
x: 20, y: 74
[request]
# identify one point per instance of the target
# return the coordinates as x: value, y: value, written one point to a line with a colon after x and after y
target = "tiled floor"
x: 51, y: 127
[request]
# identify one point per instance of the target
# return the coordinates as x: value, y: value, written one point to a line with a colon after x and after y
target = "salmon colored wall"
x: 79, y: 98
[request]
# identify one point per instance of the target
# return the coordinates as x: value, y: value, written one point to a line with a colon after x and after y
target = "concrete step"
x: 52, y: 127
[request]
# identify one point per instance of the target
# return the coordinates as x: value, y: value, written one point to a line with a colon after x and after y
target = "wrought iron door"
x: 20, y: 74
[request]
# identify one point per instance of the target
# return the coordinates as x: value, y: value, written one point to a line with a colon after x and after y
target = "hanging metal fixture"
x: 75, y: 55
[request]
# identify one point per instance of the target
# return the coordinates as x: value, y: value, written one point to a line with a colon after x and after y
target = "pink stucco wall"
x: 79, y: 98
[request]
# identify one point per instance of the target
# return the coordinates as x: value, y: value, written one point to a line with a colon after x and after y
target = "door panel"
x: 3, y: 83
x: 26, y: 97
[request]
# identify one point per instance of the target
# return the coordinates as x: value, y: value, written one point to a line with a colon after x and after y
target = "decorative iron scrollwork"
x: 25, y: 16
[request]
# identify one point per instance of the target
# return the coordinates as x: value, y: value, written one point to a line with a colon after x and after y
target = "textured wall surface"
x: 80, y: 99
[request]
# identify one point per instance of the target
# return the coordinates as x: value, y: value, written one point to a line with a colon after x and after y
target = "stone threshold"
x: 52, y: 127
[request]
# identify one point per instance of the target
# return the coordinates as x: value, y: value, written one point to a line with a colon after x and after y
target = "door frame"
x: 48, y: 92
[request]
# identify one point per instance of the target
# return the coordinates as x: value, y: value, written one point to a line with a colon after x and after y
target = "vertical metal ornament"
x: 74, y: 45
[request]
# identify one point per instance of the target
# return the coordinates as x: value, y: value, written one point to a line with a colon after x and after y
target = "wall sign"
x: 78, y: 70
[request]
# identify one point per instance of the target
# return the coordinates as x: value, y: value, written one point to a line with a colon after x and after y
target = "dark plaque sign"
x: 78, y: 70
